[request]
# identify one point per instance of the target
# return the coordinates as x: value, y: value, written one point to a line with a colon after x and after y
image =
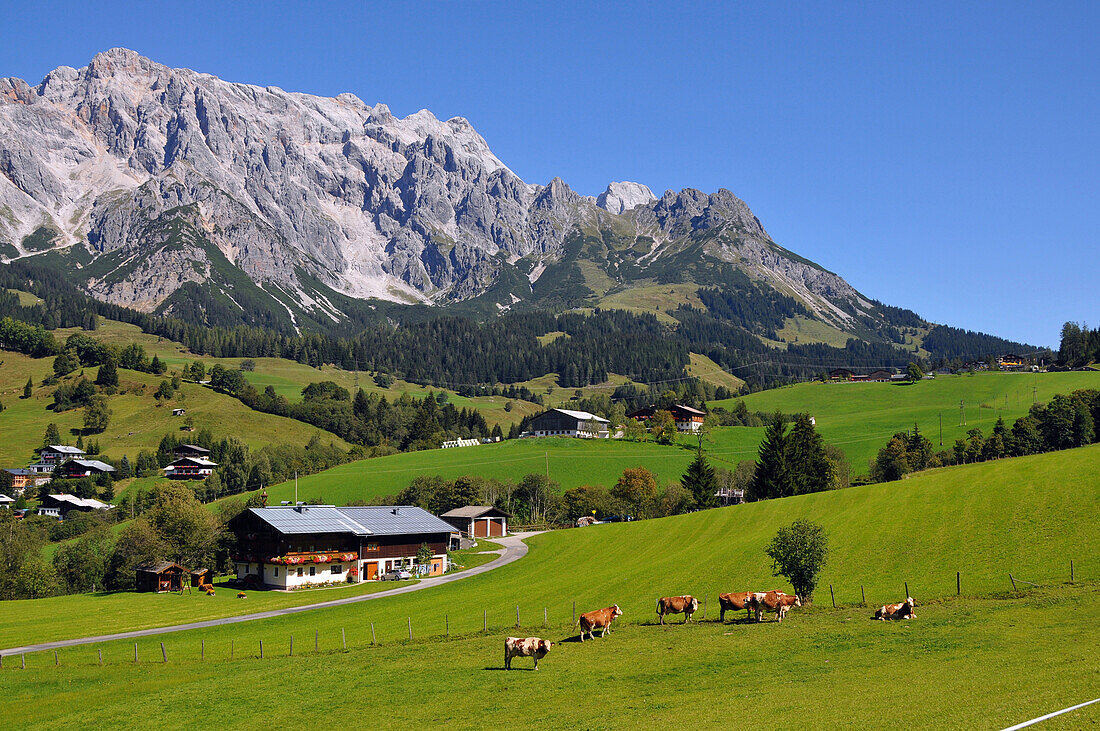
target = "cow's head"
x: 544, y: 646
x: 910, y: 602
x: 615, y: 611
x: 797, y: 600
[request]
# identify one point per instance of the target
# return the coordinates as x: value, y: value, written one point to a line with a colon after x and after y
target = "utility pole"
x: 962, y: 413
x: 295, y: 487
x: 941, y: 428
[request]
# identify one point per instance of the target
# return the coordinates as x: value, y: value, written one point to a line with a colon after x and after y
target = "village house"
x: 190, y: 450
x: 5, y: 501
x: 21, y: 479
x: 687, y: 419
x: 62, y: 504
x: 478, y: 521
x: 568, y: 423
x: 730, y: 496
x: 840, y: 374
x: 190, y: 468
x: 54, y: 454
x: 298, y: 545
x: 77, y: 468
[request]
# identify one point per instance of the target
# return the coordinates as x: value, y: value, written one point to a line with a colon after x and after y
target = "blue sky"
x: 939, y: 157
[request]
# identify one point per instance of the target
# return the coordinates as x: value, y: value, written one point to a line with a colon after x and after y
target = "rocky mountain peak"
x: 624, y: 196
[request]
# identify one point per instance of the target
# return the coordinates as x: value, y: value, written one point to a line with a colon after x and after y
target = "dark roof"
x: 160, y: 567
x: 18, y: 471
x: 473, y: 511
x: 360, y: 521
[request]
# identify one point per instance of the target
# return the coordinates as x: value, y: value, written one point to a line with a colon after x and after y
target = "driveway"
x: 514, y: 549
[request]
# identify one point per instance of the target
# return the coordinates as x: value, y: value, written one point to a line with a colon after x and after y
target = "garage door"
x: 496, y: 527
x: 480, y: 529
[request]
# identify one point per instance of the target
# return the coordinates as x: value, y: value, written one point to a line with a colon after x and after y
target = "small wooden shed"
x: 478, y: 521
x: 160, y: 577
x: 200, y: 577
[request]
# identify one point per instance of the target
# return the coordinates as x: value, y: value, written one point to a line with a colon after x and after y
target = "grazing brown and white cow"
x: 686, y: 605
x: 773, y: 601
x: 896, y: 611
x: 733, y: 602
x: 598, y: 619
x: 535, y: 647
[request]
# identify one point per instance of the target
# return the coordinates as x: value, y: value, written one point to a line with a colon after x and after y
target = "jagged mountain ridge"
x: 163, y: 181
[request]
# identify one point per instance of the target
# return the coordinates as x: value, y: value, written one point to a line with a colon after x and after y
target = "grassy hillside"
x: 138, y: 420
x: 861, y: 417
x: 996, y: 661
x: 984, y: 520
x: 572, y: 462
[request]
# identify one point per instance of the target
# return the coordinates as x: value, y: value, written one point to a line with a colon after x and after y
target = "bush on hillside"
x: 799, y: 552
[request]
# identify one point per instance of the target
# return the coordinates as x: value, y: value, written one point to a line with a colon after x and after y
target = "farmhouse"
x: 59, y: 505
x: 567, y: 423
x: 77, y: 468
x: 159, y: 577
x: 190, y: 450
x: 21, y: 479
x: 840, y: 374
x: 5, y: 501
x: 297, y: 545
x: 687, y: 419
x: 56, y: 453
x: 478, y: 521
x: 190, y: 468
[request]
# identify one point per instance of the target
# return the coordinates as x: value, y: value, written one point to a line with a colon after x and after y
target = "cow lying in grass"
x: 772, y: 601
x: 734, y: 602
x: 535, y: 647
x: 896, y: 611
x: 686, y: 605
x: 598, y: 619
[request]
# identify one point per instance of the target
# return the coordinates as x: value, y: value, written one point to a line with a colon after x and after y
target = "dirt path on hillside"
x: 514, y: 549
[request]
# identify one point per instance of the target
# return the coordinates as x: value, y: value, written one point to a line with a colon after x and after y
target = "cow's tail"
x: 658, y: 606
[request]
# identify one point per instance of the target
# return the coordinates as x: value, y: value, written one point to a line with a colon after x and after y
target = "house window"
x: 299, y: 570
x: 372, y: 546
x: 337, y: 569
x: 312, y: 570
x: 276, y: 570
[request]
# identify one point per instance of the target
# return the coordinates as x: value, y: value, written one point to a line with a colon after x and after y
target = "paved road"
x: 514, y: 549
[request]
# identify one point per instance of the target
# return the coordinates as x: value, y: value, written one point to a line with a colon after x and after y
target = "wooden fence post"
x: 1013, y: 582
x: 906, y: 589
x: 484, y: 620
x: 101, y: 657
x: 373, y: 639
x: 261, y: 649
x: 231, y: 644
x: 344, y: 639
x: 447, y: 624
x: 410, y: 628
x: 863, y: 594
x: 1071, y: 570
x: 544, y: 617
x: 202, y: 650
x: 833, y: 595
x: 958, y: 583
x: 135, y: 653
x: 163, y: 653
x: 56, y: 661
x: 292, y: 645
x: 316, y: 640
x: 517, y: 616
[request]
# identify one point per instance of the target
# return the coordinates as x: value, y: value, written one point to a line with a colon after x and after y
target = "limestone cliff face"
x: 285, y: 185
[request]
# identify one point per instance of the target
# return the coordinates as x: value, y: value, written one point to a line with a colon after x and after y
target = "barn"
x: 478, y: 521
x: 160, y: 577
x: 569, y: 423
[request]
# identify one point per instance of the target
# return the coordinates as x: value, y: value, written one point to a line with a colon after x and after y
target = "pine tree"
x: 809, y: 470
x: 108, y: 374
x: 27, y: 388
x: 125, y: 470
x: 772, y: 474
x: 701, y: 482
x: 52, y: 436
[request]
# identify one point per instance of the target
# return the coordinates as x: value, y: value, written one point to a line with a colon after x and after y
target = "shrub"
x: 799, y: 552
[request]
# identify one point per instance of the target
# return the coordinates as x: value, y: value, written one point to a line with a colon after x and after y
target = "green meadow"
x: 987, y: 658
x: 861, y: 417
x: 571, y: 462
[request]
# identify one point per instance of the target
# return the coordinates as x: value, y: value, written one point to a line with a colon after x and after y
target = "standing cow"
x: 772, y: 601
x: 896, y: 611
x: 535, y: 647
x: 733, y: 602
x: 686, y: 605
x: 598, y: 619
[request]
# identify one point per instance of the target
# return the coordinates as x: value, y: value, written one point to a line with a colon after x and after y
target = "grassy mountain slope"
x: 995, y: 660
x: 861, y: 417
x: 138, y: 420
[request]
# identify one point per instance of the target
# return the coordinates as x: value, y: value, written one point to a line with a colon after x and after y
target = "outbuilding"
x: 160, y: 577
x: 478, y: 521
